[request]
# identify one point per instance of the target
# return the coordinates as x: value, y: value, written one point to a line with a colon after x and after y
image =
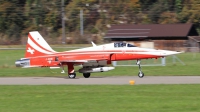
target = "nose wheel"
x: 140, y: 74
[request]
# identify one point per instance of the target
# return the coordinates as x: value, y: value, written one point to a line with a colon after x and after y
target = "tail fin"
x: 37, y: 46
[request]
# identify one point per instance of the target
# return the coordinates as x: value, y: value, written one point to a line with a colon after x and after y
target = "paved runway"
x: 118, y: 80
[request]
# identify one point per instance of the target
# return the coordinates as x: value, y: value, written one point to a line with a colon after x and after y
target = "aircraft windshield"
x: 123, y: 44
x: 131, y: 45
x: 120, y: 44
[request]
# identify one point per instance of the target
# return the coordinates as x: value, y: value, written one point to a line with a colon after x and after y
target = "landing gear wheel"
x: 86, y: 75
x: 72, y: 75
x: 140, y: 74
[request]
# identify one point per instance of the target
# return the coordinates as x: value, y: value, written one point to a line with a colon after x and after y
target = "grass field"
x: 100, y: 98
x: 192, y: 61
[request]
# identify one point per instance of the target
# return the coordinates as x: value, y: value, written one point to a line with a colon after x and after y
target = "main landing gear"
x: 86, y: 75
x: 140, y: 74
x: 72, y: 75
x: 71, y: 72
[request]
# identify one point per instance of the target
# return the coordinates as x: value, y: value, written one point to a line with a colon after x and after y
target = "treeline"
x: 18, y: 17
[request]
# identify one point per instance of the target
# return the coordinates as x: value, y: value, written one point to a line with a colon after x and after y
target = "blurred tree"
x: 168, y: 18
x: 190, y: 13
x: 36, y: 11
x: 131, y: 11
x: 90, y: 13
x: 11, y: 21
x: 157, y: 9
x: 146, y: 4
x: 178, y: 6
x: 18, y: 17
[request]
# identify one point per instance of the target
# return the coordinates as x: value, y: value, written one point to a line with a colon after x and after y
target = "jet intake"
x: 22, y: 63
x: 98, y: 69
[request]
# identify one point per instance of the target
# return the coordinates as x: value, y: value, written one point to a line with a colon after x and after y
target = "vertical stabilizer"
x: 37, y: 46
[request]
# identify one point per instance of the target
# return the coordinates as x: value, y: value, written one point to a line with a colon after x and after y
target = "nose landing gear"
x: 140, y: 74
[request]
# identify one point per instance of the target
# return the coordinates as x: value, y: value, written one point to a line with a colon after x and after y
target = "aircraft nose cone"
x: 166, y: 53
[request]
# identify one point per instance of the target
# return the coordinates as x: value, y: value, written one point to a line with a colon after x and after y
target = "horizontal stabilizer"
x: 54, y: 67
x: 32, y: 66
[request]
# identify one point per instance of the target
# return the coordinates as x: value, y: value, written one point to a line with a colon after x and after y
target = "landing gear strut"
x: 140, y: 74
x: 71, y: 72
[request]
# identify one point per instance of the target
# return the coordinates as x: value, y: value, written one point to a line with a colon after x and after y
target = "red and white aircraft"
x: 93, y: 59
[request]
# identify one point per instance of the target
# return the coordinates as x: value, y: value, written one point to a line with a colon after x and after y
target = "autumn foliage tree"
x: 18, y: 17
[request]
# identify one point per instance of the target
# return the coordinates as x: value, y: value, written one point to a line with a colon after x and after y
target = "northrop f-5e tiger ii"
x: 93, y: 59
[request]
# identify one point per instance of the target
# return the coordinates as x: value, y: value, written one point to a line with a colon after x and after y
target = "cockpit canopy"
x: 123, y: 44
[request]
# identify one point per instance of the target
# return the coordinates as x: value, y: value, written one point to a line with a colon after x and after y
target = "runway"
x: 118, y: 80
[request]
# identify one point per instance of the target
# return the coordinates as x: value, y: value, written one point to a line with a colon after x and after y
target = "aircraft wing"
x: 84, y: 58
x: 82, y: 61
x: 74, y: 61
x: 87, y: 62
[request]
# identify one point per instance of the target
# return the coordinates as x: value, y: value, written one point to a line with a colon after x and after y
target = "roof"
x: 151, y: 31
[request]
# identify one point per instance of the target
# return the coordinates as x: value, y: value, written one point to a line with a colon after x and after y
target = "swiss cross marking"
x: 49, y: 61
x: 30, y: 50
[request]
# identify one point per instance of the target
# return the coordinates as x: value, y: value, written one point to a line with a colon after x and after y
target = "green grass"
x: 100, y: 98
x: 192, y: 61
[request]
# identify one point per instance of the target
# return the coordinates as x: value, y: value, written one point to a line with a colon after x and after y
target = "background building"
x: 179, y: 37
